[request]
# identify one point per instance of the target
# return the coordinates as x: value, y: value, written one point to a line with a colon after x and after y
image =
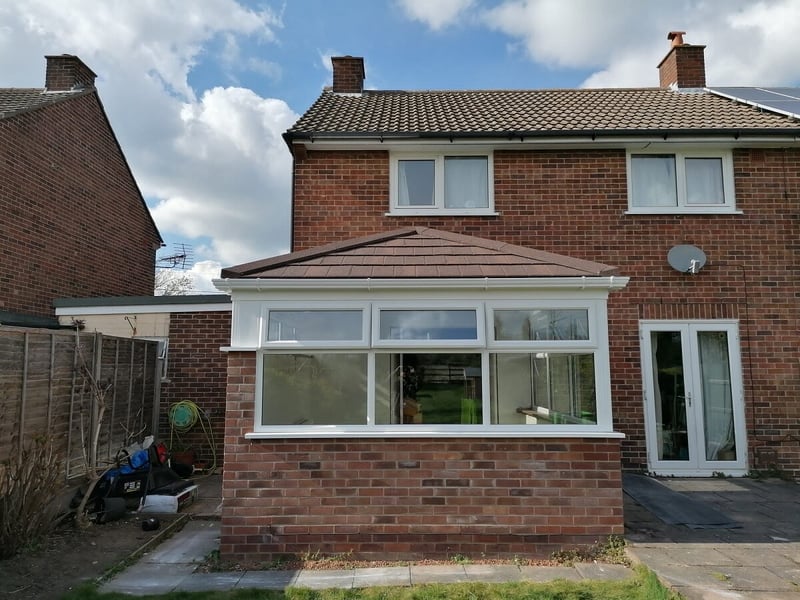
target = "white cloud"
x: 436, y: 15
x: 211, y: 162
x: 202, y: 273
x: 747, y: 43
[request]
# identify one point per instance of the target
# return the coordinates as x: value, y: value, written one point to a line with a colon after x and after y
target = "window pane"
x: 314, y: 389
x: 429, y: 325
x: 440, y: 389
x: 415, y: 182
x: 546, y: 324
x: 653, y: 180
x: 466, y: 182
x: 542, y: 388
x: 704, y: 181
x: 315, y: 325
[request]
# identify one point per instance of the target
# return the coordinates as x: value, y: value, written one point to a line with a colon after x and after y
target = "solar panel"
x: 783, y: 100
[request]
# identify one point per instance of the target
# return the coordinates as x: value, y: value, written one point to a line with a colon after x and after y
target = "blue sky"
x: 200, y: 91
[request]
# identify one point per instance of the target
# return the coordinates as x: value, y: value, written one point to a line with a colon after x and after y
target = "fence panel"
x: 45, y: 389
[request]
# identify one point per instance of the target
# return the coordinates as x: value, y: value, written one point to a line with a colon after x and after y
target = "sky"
x: 199, y: 92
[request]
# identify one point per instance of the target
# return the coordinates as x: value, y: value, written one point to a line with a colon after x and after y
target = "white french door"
x: 694, y: 404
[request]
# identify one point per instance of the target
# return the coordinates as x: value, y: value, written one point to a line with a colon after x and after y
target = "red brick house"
x: 75, y: 223
x: 496, y: 301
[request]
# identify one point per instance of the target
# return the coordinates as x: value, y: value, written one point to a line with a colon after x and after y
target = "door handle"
x: 689, y: 398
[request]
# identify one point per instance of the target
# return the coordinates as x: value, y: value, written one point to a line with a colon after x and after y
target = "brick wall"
x: 74, y: 224
x: 410, y: 498
x: 197, y: 372
x: 574, y: 203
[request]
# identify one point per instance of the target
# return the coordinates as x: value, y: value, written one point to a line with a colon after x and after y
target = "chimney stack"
x: 348, y: 74
x: 684, y: 66
x: 66, y: 72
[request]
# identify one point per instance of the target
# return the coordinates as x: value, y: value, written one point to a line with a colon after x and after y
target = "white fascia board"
x: 545, y: 143
x: 610, y: 283
x: 141, y: 309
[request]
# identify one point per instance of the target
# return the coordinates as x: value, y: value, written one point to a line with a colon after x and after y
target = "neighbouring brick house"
x: 445, y: 364
x: 74, y: 221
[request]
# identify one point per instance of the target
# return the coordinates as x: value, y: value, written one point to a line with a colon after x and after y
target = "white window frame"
x: 372, y: 345
x: 562, y: 345
x: 427, y: 345
x: 438, y: 207
x: 728, y: 188
x: 363, y: 342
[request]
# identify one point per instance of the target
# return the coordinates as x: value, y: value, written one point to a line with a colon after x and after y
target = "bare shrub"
x: 29, y: 482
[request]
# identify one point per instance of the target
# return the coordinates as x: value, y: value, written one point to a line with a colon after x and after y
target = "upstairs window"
x: 428, y: 184
x: 680, y: 182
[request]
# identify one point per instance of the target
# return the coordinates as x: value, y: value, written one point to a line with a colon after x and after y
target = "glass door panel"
x: 717, y: 399
x: 669, y: 395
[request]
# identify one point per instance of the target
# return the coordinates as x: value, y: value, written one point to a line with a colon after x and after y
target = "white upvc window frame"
x: 318, y: 306
x: 438, y: 207
x: 429, y: 345
x: 372, y: 345
x: 683, y: 207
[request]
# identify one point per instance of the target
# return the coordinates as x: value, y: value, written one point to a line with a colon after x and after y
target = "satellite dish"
x: 686, y: 258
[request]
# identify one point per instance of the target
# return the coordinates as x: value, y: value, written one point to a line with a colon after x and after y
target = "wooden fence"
x: 44, y: 390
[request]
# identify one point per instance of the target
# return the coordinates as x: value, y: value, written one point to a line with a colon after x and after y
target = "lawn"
x: 643, y: 585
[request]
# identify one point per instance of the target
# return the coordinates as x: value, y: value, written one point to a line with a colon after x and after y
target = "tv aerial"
x: 686, y: 258
x: 180, y: 258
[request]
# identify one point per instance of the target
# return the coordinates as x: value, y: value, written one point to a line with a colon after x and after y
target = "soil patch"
x: 70, y: 556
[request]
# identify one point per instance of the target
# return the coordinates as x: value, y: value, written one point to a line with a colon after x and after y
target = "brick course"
x: 197, y: 371
x: 74, y: 223
x: 574, y: 202
x: 410, y: 498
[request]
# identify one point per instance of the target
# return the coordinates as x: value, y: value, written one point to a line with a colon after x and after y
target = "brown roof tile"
x: 17, y: 100
x: 418, y: 253
x: 528, y: 112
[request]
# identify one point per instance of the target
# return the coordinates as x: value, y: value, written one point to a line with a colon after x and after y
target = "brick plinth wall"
x: 575, y: 203
x: 410, y: 498
x: 197, y: 371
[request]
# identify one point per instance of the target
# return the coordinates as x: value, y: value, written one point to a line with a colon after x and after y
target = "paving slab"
x: 267, y: 580
x: 216, y: 582
x: 317, y: 580
x: 602, y: 571
x: 545, y: 574
x: 438, y: 574
x: 381, y: 576
x: 143, y: 579
x: 193, y: 543
x: 493, y: 573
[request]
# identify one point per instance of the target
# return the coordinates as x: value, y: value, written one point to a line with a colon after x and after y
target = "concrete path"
x: 760, y: 559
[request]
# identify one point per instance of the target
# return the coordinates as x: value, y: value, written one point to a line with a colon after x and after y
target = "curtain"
x: 704, y: 181
x: 653, y: 180
x: 717, y: 399
x: 466, y: 182
x: 657, y: 395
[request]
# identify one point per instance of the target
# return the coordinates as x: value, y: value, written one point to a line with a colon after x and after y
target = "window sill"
x: 679, y: 211
x: 438, y: 212
x: 415, y: 431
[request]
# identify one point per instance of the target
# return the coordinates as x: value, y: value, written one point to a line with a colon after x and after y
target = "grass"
x: 642, y: 585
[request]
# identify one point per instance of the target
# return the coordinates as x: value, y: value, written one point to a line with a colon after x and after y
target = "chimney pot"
x: 66, y: 72
x: 348, y: 74
x: 676, y: 37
